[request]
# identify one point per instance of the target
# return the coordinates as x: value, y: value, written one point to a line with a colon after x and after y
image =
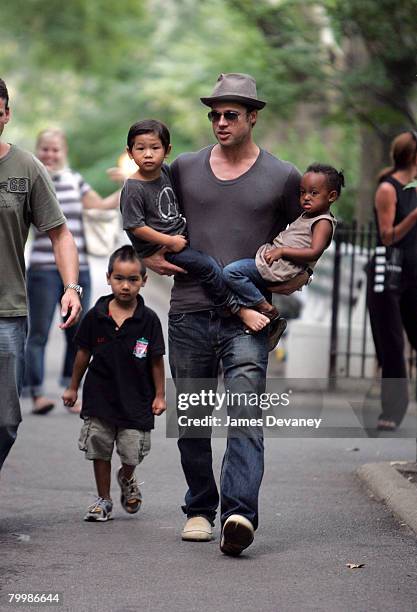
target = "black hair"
x: 126, y: 253
x: 335, y: 178
x: 149, y: 126
x: 4, y: 94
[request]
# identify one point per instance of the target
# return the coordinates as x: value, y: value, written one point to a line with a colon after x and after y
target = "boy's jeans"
x: 197, y: 343
x: 208, y: 272
x: 243, y: 278
x: 45, y: 290
x: 12, y: 360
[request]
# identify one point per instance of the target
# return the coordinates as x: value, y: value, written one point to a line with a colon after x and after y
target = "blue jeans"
x: 198, y: 342
x: 12, y: 361
x: 45, y: 290
x: 243, y: 278
x: 208, y: 272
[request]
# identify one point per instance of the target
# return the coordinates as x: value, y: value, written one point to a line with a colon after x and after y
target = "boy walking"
x: 125, y: 383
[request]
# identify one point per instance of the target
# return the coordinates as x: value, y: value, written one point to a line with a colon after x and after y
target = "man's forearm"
x: 288, y: 287
x: 160, y: 265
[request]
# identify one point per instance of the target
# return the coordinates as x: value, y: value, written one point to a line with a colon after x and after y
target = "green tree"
x: 378, y: 83
x: 84, y: 36
x: 164, y: 58
x: 339, y: 77
x: 356, y: 60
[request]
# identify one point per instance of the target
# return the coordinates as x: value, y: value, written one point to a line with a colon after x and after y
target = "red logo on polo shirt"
x: 141, y: 348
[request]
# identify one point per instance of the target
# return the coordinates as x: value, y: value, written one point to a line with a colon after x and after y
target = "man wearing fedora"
x: 235, y: 196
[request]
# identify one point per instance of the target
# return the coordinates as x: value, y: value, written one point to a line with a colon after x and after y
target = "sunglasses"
x: 229, y: 115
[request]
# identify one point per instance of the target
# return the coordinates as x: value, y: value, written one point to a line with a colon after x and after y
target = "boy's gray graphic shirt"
x: 150, y: 203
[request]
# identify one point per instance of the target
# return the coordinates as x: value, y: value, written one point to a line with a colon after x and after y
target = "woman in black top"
x: 394, y: 309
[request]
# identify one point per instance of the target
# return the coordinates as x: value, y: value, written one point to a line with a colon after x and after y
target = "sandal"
x: 386, y: 425
x: 42, y: 405
x: 275, y: 330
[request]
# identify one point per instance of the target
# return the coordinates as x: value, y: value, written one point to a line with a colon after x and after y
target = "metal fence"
x: 354, y: 248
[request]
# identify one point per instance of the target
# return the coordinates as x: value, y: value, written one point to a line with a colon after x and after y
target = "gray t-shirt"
x: 151, y: 203
x: 231, y: 219
x: 26, y: 196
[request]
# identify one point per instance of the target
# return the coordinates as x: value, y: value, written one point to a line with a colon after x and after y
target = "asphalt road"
x: 315, y: 517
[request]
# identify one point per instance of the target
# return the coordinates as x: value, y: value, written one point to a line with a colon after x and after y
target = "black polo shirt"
x: 119, y: 387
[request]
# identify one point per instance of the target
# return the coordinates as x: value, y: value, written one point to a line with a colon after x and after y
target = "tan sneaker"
x: 197, y: 529
x: 237, y: 534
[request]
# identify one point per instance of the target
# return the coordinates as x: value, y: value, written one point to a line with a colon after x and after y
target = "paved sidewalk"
x: 315, y: 518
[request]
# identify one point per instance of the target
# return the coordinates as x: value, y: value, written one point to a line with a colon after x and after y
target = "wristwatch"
x: 76, y: 288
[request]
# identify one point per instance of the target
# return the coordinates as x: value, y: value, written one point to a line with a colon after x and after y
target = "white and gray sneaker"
x: 99, y: 511
x: 130, y: 496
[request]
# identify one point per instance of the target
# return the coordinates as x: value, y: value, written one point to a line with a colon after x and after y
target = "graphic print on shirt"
x: 167, y: 204
x: 13, y: 192
x: 141, y: 348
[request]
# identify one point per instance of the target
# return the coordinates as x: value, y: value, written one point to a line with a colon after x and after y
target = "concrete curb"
x: 393, y: 489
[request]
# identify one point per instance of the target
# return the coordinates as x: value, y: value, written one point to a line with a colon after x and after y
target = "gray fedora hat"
x: 235, y: 87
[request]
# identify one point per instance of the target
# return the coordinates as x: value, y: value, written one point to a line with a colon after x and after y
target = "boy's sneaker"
x: 131, y: 497
x: 99, y: 511
x: 275, y: 330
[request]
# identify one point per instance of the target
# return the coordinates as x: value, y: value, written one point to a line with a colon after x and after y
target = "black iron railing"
x: 353, y: 245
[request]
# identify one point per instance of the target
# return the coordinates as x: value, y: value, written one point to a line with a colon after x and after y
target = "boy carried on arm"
x: 152, y: 220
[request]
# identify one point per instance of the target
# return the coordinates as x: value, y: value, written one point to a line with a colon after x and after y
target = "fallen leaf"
x: 355, y: 565
x: 22, y: 537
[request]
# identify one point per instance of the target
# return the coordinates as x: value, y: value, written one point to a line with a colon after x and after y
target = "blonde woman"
x: 43, y: 281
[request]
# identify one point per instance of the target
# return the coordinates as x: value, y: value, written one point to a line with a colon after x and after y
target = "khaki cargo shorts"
x: 97, y: 439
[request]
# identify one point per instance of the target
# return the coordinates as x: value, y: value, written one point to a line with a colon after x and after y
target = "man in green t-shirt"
x: 26, y: 196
